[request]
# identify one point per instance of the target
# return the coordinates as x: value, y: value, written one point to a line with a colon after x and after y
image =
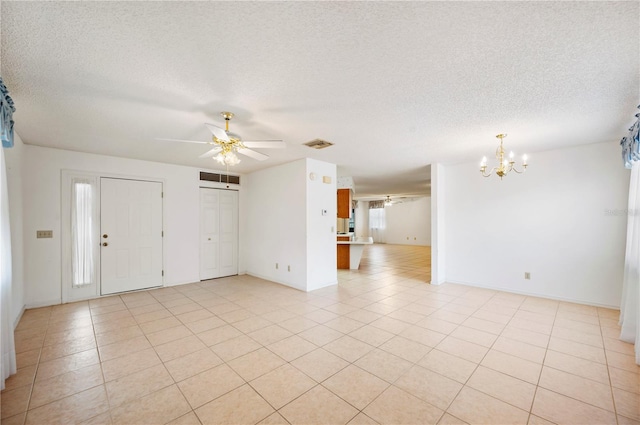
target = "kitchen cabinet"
x: 344, y: 203
x: 344, y: 258
x: 350, y: 251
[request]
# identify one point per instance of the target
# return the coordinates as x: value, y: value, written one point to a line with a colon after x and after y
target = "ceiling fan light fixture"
x: 227, y: 144
x: 227, y: 158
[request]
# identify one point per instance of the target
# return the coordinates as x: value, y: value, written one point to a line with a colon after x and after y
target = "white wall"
x: 41, y: 183
x: 362, y: 219
x: 14, y: 161
x: 321, y: 232
x: 285, y: 225
x: 551, y: 221
x: 438, y: 225
x: 276, y: 223
x: 409, y: 223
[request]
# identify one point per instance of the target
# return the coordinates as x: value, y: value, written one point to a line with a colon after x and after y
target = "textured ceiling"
x: 395, y: 85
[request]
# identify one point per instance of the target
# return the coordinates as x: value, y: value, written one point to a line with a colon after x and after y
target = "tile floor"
x: 382, y: 347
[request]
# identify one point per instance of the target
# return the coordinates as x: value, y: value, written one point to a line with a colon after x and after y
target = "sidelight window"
x: 83, y: 243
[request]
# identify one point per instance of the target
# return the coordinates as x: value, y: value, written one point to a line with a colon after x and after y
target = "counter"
x: 350, y: 252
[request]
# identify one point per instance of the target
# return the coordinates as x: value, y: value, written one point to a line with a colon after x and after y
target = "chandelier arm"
x: 505, y: 166
x: 490, y: 172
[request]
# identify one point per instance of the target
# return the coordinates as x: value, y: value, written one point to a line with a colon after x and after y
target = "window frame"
x: 71, y: 292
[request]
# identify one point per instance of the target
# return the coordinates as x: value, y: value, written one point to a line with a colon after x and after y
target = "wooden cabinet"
x: 343, y: 256
x: 344, y: 203
x: 344, y: 253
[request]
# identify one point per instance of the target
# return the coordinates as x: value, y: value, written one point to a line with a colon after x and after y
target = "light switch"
x: 324, y: 212
x: 40, y: 234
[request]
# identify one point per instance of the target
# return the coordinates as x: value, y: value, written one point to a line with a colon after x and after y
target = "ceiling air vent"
x: 219, y: 178
x: 318, y: 144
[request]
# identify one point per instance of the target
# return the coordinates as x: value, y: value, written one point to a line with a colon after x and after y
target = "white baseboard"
x: 15, y: 322
x: 39, y: 304
x: 270, y: 279
x: 533, y: 294
x: 335, y: 282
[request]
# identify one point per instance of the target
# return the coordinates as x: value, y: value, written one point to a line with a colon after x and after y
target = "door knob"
x: 104, y: 244
x: 105, y: 236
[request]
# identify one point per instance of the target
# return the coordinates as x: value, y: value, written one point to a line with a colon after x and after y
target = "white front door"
x: 218, y: 233
x: 130, y: 235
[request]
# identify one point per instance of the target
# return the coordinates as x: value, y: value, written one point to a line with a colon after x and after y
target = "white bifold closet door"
x: 218, y: 233
x: 130, y: 235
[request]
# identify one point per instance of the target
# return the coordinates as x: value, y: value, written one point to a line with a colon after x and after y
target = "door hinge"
x: 162, y: 233
x: 162, y: 272
x: 162, y: 194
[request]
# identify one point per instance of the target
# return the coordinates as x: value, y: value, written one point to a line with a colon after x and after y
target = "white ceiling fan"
x: 397, y: 200
x: 227, y: 144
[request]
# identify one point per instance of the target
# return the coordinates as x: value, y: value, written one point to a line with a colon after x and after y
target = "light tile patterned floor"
x: 381, y: 347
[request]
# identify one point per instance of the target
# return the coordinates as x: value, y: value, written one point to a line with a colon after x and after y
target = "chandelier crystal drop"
x: 505, y: 165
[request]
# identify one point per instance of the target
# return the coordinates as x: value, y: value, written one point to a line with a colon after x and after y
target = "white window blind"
x: 83, y: 240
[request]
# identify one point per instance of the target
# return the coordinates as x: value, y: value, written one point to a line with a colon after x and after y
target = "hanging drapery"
x: 631, y: 144
x: 630, y: 302
x: 7, y: 344
x: 376, y: 204
x: 377, y: 225
x: 6, y: 116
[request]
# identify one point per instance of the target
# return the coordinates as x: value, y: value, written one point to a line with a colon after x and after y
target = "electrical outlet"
x: 44, y: 234
x: 527, y: 275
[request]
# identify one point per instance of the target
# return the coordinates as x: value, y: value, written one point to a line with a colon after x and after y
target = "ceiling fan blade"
x: 218, y: 132
x: 264, y: 144
x: 185, y: 141
x: 211, y: 153
x: 253, y: 154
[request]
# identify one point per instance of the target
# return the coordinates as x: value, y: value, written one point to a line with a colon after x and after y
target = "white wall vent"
x: 219, y: 178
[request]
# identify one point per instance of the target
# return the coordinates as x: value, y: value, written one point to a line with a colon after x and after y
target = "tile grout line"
x: 535, y: 393
x: 606, y: 359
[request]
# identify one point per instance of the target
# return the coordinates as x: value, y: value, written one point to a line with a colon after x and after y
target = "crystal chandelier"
x: 504, y: 165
